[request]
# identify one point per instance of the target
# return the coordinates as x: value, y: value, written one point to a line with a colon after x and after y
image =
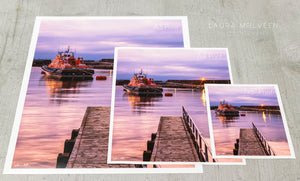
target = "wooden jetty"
x: 177, y: 140
x: 252, y: 143
x: 173, y: 142
x: 90, y: 147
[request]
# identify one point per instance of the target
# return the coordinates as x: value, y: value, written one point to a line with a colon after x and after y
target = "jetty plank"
x: 173, y: 142
x: 249, y: 144
x: 91, y: 145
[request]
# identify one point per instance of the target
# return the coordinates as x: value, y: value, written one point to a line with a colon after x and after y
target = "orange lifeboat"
x: 226, y: 110
x: 142, y: 86
x: 65, y: 65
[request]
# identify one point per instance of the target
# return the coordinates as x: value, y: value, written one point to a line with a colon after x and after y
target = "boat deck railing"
x: 202, y: 146
x: 264, y: 142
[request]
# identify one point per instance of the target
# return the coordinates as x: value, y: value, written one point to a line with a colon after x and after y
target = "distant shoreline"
x: 95, y: 64
x: 271, y: 109
x: 197, y: 84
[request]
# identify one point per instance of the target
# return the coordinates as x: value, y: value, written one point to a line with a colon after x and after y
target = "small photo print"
x: 248, y: 121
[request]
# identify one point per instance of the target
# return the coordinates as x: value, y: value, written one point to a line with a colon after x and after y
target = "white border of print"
x: 282, y: 115
x: 112, y: 114
x: 11, y: 148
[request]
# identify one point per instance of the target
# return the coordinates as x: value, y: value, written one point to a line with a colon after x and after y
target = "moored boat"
x: 140, y: 85
x: 65, y: 65
x: 226, y: 110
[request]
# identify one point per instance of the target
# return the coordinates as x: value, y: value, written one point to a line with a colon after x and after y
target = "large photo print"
x: 69, y: 72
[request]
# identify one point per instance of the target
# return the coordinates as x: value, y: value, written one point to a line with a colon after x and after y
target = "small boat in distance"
x: 226, y: 110
x: 140, y: 85
x: 65, y: 65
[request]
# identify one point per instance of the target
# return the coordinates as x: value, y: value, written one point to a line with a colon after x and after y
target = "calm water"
x: 270, y: 125
x: 52, y: 109
x: 135, y: 118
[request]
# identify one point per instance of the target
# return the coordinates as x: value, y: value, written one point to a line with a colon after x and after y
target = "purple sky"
x: 243, y: 95
x: 96, y: 39
x: 164, y: 64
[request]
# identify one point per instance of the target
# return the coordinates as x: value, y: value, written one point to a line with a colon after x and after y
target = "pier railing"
x: 201, y: 145
x: 264, y: 142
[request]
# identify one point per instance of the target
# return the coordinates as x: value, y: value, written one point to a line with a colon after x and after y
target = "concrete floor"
x: 264, y: 48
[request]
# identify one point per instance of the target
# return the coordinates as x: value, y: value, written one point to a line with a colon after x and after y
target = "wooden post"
x: 74, y: 133
x: 206, y: 155
x: 153, y: 136
x: 150, y: 145
x: 200, y: 142
x: 147, y: 155
x: 235, y: 151
x: 69, y: 144
x: 62, y: 160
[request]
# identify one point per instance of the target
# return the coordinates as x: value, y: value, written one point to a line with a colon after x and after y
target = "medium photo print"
x: 159, y: 105
x: 247, y: 121
x: 63, y: 114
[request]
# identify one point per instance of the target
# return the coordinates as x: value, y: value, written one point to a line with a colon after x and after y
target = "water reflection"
x: 135, y: 118
x: 227, y: 120
x: 52, y: 109
x: 264, y: 116
x: 226, y: 130
x: 203, y: 97
x: 64, y: 90
x: 139, y: 102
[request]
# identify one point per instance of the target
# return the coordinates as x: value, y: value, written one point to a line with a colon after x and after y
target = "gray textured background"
x: 258, y: 55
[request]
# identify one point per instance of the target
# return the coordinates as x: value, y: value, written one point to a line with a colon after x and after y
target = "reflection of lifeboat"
x: 140, y: 101
x: 226, y: 110
x: 63, y: 90
x: 227, y: 119
x: 65, y: 65
x: 140, y: 85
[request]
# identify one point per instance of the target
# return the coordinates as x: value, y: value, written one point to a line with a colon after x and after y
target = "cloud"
x: 192, y: 64
x: 243, y: 95
x: 92, y: 37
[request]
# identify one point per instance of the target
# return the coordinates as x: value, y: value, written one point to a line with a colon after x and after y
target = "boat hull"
x: 227, y: 113
x: 143, y: 91
x: 68, y: 73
